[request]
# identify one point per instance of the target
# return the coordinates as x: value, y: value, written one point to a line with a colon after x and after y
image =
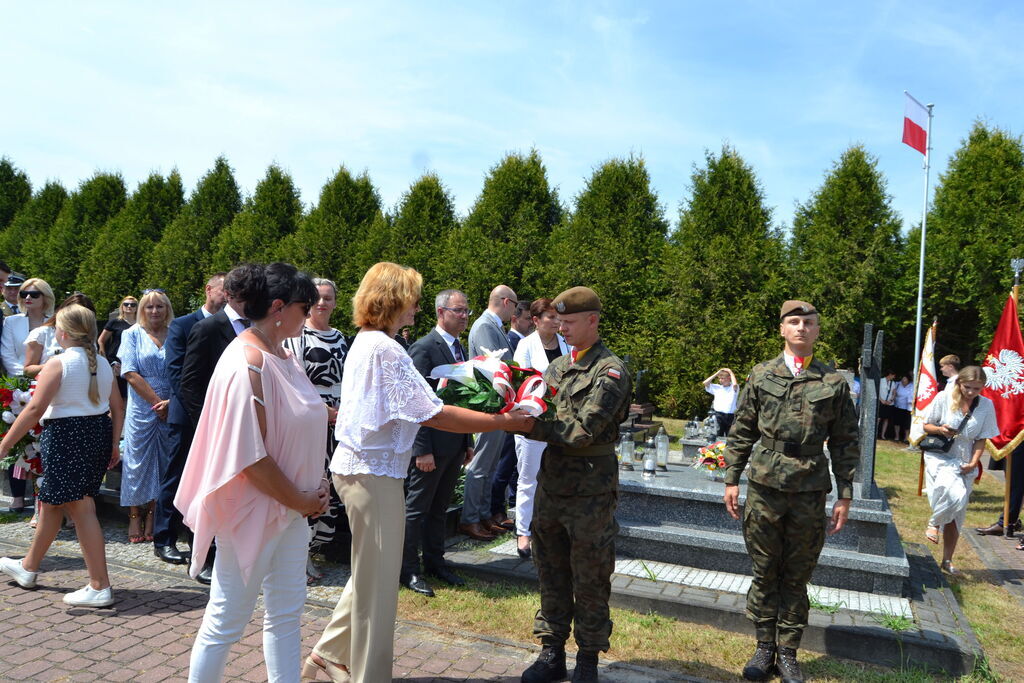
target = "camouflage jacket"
x: 805, y: 412
x: 591, y: 402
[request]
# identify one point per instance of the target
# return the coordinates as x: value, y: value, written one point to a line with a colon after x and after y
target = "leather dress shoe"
x: 417, y: 584
x: 205, y: 575
x: 476, y: 531
x: 169, y: 554
x: 504, y: 522
x: 493, y: 527
x: 446, y: 575
x: 994, y: 530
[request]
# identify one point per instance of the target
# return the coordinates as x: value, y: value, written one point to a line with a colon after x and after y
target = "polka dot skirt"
x: 76, y: 451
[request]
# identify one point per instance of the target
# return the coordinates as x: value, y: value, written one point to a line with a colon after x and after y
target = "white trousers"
x: 528, y: 455
x: 280, y: 570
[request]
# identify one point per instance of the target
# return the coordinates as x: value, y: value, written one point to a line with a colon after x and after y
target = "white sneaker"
x: 90, y: 597
x: 13, y: 569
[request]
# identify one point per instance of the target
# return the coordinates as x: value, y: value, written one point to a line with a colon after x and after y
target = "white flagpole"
x: 920, y: 268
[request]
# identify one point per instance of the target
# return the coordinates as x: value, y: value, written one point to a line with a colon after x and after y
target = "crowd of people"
x: 256, y: 432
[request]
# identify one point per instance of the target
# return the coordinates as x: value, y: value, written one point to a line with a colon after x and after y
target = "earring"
x: 277, y: 324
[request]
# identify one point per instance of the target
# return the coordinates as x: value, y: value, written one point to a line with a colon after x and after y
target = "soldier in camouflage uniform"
x: 788, y: 409
x: 574, y: 513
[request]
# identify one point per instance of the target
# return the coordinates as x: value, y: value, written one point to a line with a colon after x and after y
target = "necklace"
x: 270, y: 343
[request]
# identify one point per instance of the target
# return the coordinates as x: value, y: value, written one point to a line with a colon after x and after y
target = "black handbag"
x: 937, y: 442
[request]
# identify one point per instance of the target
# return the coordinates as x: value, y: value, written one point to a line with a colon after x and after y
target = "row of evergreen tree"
x: 681, y: 300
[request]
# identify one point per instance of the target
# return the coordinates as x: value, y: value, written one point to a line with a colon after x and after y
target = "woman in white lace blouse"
x: 384, y: 401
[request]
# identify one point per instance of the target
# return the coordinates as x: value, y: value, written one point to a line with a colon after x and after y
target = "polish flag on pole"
x: 927, y: 387
x: 915, y: 124
x: 1004, y: 371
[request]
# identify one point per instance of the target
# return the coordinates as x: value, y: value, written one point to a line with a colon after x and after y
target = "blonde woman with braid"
x: 74, y: 394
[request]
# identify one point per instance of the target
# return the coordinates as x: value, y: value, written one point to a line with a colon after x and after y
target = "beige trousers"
x: 361, y: 632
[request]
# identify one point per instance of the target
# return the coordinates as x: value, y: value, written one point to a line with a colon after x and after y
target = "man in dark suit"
x: 437, y: 456
x: 206, y: 342
x: 167, y: 523
x: 520, y: 325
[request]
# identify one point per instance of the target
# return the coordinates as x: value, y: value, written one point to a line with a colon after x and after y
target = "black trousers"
x: 1016, y: 485
x: 505, y: 474
x: 167, y: 521
x: 427, y: 496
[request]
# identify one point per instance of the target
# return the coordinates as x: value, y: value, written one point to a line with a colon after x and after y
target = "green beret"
x: 577, y: 300
x: 796, y: 307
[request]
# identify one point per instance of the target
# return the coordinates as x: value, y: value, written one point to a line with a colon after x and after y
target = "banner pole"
x: 920, y: 267
x: 1007, y: 526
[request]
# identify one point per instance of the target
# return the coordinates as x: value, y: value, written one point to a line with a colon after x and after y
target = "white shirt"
x: 981, y: 425
x: 236, y: 319
x: 46, y: 337
x: 904, y: 395
x: 887, y: 390
x: 72, y: 398
x: 530, y: 351
x: 725, y: 397
x: 383, y: 401
x: 450, y: 341
x: 12, y: 343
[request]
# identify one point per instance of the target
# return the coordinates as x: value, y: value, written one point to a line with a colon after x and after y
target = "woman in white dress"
x: 949, y: 476
x: 536, y: 351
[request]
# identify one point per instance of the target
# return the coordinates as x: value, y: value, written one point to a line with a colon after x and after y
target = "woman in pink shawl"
x: 255, y: 472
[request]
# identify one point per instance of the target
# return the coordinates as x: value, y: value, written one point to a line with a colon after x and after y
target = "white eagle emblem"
x: 1005, y: 374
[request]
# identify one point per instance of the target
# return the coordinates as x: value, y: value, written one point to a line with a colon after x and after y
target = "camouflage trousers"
x: 573, y: 540
x: 784, y: 533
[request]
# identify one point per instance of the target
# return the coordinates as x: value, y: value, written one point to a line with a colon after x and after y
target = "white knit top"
x: 72, y: 399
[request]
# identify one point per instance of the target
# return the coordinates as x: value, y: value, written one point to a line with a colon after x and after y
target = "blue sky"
x: 398, y: 89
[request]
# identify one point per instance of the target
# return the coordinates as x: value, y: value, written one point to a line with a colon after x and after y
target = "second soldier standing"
x: 789, y: 408
x: 574, y: 524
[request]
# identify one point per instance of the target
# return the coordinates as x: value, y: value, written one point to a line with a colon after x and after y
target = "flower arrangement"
x: 15, y: 393
x: 711, y: 458
x: 487, y: 384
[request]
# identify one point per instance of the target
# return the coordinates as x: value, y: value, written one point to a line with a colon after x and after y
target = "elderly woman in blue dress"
x: 147, y: 435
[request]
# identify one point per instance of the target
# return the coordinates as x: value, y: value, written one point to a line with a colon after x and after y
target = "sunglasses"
x: 30, y: 293
x: 148, y: 291
x: 130, y: 304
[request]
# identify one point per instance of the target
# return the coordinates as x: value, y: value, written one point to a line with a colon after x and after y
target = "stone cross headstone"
x: 870, y: 376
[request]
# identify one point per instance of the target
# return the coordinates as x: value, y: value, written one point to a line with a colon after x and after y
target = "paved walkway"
x: 999, y: 553
x: 147, y: 634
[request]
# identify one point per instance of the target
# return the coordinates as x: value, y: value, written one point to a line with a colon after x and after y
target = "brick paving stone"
x: 149, y: 632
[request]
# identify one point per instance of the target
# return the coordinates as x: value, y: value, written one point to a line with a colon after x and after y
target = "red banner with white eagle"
x: 1004, y: 370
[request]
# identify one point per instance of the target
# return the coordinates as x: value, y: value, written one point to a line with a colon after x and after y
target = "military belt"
x: 791, y: 449
x: 590, y: 451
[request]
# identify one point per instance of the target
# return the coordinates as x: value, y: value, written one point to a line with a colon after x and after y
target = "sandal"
x: 1020, y: 546
x: 136, y: 537
x: 947, y: 566
x: 931, y: 535
x: 315, y: 664
x: 312, y: 573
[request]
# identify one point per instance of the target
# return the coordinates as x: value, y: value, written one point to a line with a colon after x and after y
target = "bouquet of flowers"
x: 487, y: 384
x: 15, y: 393
x: 711, y: 458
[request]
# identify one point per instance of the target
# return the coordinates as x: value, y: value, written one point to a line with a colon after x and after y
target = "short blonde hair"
x: 79, y: 324
x: 142, y: 318
x: 44, y: 287
x: 384, y: 292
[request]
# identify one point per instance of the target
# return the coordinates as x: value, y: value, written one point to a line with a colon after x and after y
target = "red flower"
x: 6, y: 396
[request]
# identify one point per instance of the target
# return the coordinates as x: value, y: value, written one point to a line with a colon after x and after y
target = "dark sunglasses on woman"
x: 30, y: 293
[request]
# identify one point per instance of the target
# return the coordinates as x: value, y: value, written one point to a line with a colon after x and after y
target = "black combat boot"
x: 549, y: 667
x: 586, y: 668
x: 761, y: 666
x: 788, y: 667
